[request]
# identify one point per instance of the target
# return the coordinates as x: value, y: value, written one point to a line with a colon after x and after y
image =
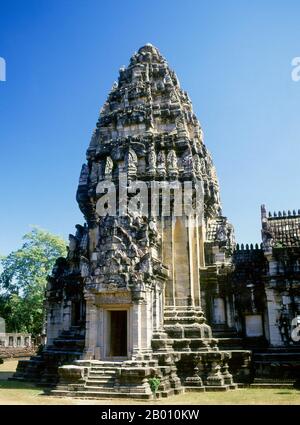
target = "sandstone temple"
x: 159, y: 303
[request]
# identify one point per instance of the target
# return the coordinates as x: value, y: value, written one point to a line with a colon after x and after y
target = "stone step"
x: 99, y: 381
x: 101, y: 378
x: 25, y: 363
x: 101, y: 365
x: 69, y: 344
x: 230, y: 342
x: 67, y: 334
x: 102, y: 375
x: 53, y: 350
x: 103, y: 370
x: 100, y: 390
x: 276, y: 356
x: 92, y: 387
x: 111, y: 368
x: 274, y: 385
x: 273, y: 381
x: 73, y: 329
x: 63, y: 337
x: 66, y: 346
x: 37, y: 358
x: 278, y: 362
x: 100, y: 394
x: 279, y: 350
x: 16, y: 378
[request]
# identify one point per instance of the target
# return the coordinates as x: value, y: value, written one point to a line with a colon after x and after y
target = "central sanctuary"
x: 125, y: 308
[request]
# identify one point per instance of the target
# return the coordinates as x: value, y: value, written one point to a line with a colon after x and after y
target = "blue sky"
x: 233, y: 58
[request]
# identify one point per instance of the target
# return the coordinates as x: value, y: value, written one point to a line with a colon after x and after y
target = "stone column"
x: 91, y: 327
x: 273, y: 308
x: 67, y: 306
x: 194, y: 260
x: 149, y: 322
x: 168, y: 258
x: 229, y: 311
x: 136, y: 329
x: 146, y: 331
x: 101, y: 335
x: 54, y: 321
x: 182, y: 254
x: 182, y: 271
x: 161, y: 308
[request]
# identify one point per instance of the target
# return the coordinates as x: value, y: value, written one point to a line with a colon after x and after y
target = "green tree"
x: 23, y: 280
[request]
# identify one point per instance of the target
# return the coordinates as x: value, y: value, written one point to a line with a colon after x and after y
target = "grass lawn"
x: 22, y: 393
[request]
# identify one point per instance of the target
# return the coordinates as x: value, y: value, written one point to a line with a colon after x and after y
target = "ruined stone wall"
x: 16, y: 352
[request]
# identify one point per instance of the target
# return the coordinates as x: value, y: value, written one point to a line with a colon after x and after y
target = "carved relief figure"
x: 152, y: 160
x: 161, y: 163
x: 108, y: 166
x: 131, y: 163
x: 197, y: 165
x: 187, y: 162
x: 172, y: 160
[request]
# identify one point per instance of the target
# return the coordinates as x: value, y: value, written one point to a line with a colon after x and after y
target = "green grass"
x: 13, y: 392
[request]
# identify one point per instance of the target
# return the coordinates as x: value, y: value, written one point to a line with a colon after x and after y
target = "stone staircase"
x: 230, y: 343
x: 276, y: 367
x: 273, y: 383
x: 70, y: 341
x: 100, y: 382
x: 42, y: 368
x: 95, y: 379
x: 29, y: 370
x: 102, y: 378
x: 227, y: 338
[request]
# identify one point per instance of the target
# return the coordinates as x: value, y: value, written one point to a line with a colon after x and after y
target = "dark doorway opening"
x: 118, y: 333
x: 76, y: 313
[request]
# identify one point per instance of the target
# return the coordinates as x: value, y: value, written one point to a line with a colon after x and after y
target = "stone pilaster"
x: 273, y: 309
x: 91, y: 327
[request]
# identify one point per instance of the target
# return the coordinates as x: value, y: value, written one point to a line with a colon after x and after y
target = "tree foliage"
x: 23, y: 280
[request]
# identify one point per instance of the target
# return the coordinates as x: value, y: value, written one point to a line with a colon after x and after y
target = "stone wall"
x: 16, y: 352
x: 15, y: 340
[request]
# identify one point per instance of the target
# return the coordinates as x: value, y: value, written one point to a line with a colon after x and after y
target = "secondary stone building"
x: 257, y: 304
x: 263, y: 288
x: 15, y: 340
x: 128, y: 303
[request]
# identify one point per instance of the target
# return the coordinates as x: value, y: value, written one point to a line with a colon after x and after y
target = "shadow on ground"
x: 5, y: 375
x: 9, y: 385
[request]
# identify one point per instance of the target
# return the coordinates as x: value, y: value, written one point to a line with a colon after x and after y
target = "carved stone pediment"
x: 114, y: 297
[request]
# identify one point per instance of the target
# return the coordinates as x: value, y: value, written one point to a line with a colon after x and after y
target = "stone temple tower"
x: 147, y: 132
x: 129, y: 292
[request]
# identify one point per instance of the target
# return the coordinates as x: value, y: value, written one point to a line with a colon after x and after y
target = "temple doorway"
x: 75, y: 313
x: 118, y: 333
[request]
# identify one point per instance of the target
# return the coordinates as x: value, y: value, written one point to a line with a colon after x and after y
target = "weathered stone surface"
x: 70, y: 373
x: 127, y: 299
